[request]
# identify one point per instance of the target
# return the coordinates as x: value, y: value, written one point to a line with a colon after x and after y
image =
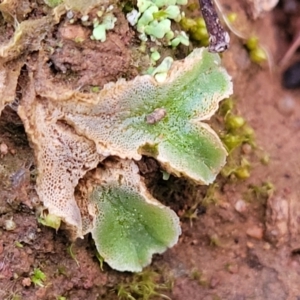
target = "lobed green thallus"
x: 125, y: 120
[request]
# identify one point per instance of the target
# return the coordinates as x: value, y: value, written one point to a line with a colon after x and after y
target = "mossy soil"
x: 241, y: 238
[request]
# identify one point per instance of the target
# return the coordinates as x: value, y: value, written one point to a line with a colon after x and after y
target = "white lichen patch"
x: 62, y: 157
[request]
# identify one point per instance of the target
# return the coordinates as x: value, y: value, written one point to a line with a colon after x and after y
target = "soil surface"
x: 240, y: 239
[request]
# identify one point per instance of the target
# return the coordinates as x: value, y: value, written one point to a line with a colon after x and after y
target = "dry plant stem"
x: 292, y: 49
x: 218, y: 37
x: 233, y: 29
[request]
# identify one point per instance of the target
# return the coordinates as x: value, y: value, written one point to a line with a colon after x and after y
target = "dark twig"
x: 218, y: 37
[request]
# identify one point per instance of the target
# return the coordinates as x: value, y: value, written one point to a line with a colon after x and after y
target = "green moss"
x: 70, y: 251
x: 260, y: 193
x: 53, y: 3
x: 239, y: 139
x: 258, y: 55
x: 196, y: 28
x: 50, y: 220
x: 143, y: 286
x: 256, y: 52
x: 199, y: 277
x: 38, y: 277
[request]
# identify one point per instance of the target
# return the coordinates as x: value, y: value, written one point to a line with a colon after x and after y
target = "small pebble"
x: 233, y: 268
x: 70, y: 14
x: 41, y: 293
x: 240, y: 206
x: 267, y: 246
x: 214, y: 281
x: 290, y: 6
x: 224, y: 205
x: 73, y: 32
x: 26, y: 281
x: 9, y: 225
x: 246, y: 148
x: 31, y: 236
x: 255, y: 232
x: 29, y: 251
x: 286, y: 105
x: 3, y: 149
x: 295, y: 264
x: 84, y: 18
x: 250, y: 245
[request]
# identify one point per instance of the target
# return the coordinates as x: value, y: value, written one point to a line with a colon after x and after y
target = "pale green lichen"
x: 181, y: 38
x: 153, y: 19
x: 99, y: 31
x: 160, y: 73
x: 155, y: 56
x: 146, y: 18
x: 158, y: 29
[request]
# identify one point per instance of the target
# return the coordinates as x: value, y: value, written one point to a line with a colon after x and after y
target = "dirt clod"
x: 26, y: 281
x: 277, y: 216
x: 255, y: 232
x: 240, y: 206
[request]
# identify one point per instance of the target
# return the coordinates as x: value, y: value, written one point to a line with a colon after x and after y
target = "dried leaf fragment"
x: 9, y: 73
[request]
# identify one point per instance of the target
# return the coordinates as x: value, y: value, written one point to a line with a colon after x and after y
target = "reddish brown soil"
x: 239, y: 247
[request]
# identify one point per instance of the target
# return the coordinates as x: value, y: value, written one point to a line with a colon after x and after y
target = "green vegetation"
x: 196, y: 28
x: 53, y: 3
x: 49, y: 220
x: 38, y: 277
x: 143, y: 286
x: 256, y: 51
x: 210, y: 198
x: 199, y: 277
x: 70, y: 251
x: 260, y: 193
x: 132, y: 225
x: 238, y: 138
x: 162, y: 115
x: 153, y: 20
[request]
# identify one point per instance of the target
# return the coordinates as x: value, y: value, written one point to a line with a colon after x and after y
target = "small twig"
x: 292, y: 49
x: 229, y: 24
x: 218, y: 37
